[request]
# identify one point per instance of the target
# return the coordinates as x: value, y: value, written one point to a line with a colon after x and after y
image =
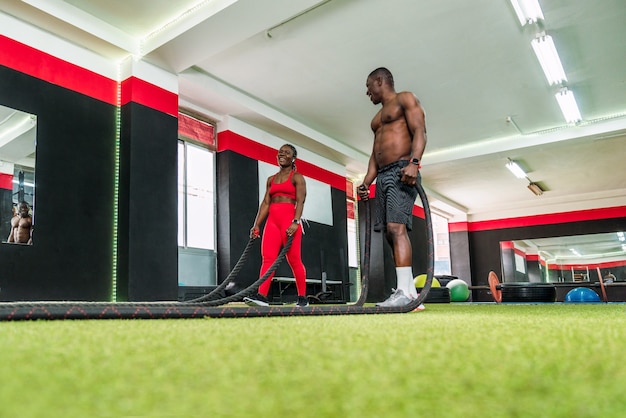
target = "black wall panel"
x: 148, y: 211
x: 6, y: 208
x: 237, y: 205
x: 71, y: 257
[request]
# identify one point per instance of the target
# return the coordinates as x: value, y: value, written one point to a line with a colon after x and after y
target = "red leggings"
x: 274, y: 237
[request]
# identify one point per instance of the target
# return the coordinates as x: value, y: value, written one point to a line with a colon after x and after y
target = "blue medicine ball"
x: 581, y: 295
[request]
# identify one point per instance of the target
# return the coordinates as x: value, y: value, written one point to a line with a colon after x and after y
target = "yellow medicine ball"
x: 420, y: 281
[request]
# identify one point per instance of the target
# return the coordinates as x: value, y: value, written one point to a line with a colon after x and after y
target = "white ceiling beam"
x: 183, y: 23
x: 231, y: 25
x: 87, y: 22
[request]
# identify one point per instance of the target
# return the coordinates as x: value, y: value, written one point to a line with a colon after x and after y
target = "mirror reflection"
x: 18, y: 138
x: 578, y: 258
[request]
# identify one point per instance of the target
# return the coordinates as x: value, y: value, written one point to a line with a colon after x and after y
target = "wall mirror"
x: 18, y: 139
x: 577, y: 258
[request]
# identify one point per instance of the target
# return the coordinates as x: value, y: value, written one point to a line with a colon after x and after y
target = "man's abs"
x: 392, y: 143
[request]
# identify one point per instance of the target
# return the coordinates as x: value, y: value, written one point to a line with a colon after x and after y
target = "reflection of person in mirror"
x: 22, y: 226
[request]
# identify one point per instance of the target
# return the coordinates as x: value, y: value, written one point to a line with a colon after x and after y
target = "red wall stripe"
x: 228, y: 140
x: 591, y: 266
x: 36, y: 63
x: 418, y: 211
x: 507, y: 245
x: 458, y: 227
x: 139, y: 91
x: 31, y: 61
x: 6, y: 181
x: 547, y: 219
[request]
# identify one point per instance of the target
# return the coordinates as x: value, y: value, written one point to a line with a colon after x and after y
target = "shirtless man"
x: 399, y: 142
x: 22, y: 226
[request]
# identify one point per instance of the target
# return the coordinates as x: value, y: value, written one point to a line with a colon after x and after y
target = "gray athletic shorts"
x: 394, y: 199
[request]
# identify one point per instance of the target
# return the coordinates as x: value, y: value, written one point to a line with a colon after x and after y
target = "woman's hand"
x: 292, y: 229
x: 255, y: 232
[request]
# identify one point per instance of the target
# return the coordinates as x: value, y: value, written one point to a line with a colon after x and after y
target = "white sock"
x: 405, y: 281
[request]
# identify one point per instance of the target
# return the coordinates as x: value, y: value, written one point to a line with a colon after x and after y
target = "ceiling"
x: 297, y: 70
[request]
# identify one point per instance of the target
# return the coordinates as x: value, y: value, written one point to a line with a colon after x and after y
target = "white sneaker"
x: 397, y: 299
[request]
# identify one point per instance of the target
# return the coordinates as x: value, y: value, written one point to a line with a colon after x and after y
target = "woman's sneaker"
x: 302, y: 302
x: 258, y: 300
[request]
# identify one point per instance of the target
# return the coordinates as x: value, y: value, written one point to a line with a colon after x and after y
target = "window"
x: 442, y: 245
x: 196, y: 196
x: 197, y: 257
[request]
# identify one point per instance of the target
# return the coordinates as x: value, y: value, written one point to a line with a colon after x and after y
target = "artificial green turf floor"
x: 451, y: 360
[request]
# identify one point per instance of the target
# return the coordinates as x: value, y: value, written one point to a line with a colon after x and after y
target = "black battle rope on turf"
x: 231, y: 276
x: 365, y: 264
x: 13, y: 311
x: 203, y: 300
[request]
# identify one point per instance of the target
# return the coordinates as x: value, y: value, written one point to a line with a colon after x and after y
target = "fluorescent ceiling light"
x: 575, y: 252
x: 535, y: 188
x: 548, y: 59
x: 568, y: 105
x: 516, y: 169
x: 528, y: 11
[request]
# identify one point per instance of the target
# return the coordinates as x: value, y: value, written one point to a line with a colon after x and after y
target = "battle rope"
x: 204, y: 300
x: 365, y: 265
x: 231, y: 276
x: 161, y: 310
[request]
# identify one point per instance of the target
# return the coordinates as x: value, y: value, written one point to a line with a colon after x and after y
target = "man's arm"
x: 372, y: 171
x: 14, y: 225
x: 416, y: 121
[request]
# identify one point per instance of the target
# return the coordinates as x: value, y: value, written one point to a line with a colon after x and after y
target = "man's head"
x: 24, y: 209
x: 375, y: 81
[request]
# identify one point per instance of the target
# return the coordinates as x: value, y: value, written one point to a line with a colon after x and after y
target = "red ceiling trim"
x: 31, y: 61
x: 231, y: 141
x: 139, y: 91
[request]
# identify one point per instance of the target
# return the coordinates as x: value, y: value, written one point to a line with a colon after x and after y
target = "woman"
x: 282, y: 206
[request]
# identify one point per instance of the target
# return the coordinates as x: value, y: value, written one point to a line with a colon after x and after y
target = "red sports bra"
x: 286, y: 188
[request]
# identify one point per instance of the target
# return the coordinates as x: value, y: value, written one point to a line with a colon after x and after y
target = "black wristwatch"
x: 296, y: 221
x: 415, y: 161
